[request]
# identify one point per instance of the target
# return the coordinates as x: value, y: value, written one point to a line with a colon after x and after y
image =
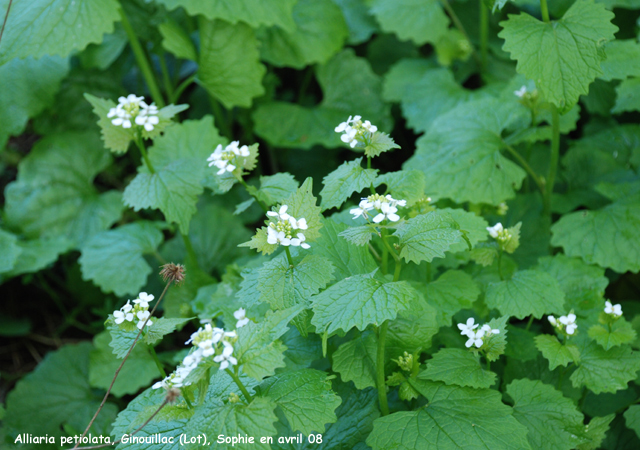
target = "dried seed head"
x: 172, y: 395
x: 173, y: 272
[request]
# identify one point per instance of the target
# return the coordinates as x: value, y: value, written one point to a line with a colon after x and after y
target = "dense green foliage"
x: 461, y: 271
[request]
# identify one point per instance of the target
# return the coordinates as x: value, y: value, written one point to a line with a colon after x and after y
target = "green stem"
x: 157, y: 361
x: 380, y: 381
x: 180, y: 89
x: 544, y: 9
x: 396, y: 272
x: 484, y: 33
x: 529, y: 323
x: 560, y: 378
x: 523, y: 162
x: 143, y: 152
x: 372, y: 187
x: 141, y: 59
x: 191, y: 253
x: 243, y: 389
x: 187, y: 401
x: 392, y: 252
x: 246, y: 186
x: 289, y: 258
x: 385, y: 253
x: 488, y: 363
x: 555, y: 155
x: 168, y: 86
x: 218, y: 113
x: 460, y: 27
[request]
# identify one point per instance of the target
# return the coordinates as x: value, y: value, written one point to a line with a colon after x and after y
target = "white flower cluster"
x: 568, y: 321
x: 353, y: 129
x: 230, y: 158
x: 139, y: 310
x: 520, y: 92
x: 132, y: 108
x: 208, y: 341
x: 385, y: 205
x: 476, y: 337
x: 614, y: 310
x: 283, y: 230
x: 499, y: 233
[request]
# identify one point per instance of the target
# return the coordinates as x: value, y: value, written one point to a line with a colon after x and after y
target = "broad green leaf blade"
x: 379, y: 143
x: 406, y: 185
x: 38, y: 253
x: 558, y: 354
x: 607, y: 237
x: 452, y: 291
x: 276, y: 188
x: 258, y: 349
x: 623, y: 60
x: 455, y: 417
x: 311, y: 40
x: 473, y: 225
x: 305, y: 397
x: 122, y: 336
x: 54, y: 195
x: 605, y: 370
x: 116, y: 139
x: 359, y: 236
x: 160, y: 328
x: 57, y: 393
x: 347, y: 259
x: 137, y: 372
x: 179, y: 161
x: 359, y: 20
x: 495, y: 346
x: 459, y: 367
x: 230, y: 69
x: 252, y: 12
x: 356, y: 361
x: 632, y: 418
x: 421, y: 21
x: 169, y: 423
x: 550, y: 417
x: 114, y: 261
x: 460, y: 155
x: 413, y: 329
x: 359, y: 301
x: 427, y: 236
x: 563, y: 57
x: 348, y: 84
x: 529, y: 292
x: 628, y: 96
x: 9, y: 249
x: 620, y: 332
x: 28, y: 87
x: 347, y: 179
x: 301, y: 351
x: 54, y: 27
x: 176, y: 40
x: 596, y: 431
x: 301, y: 204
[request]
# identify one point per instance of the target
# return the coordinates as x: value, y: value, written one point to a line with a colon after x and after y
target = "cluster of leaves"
x: 356, y: 337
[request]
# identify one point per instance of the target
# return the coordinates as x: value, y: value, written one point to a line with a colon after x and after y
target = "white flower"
x: 552, y: 320
x: 241, y: 318
x: 207, y: 347
x: 277, y: 237
x: 123, y: 314
x: 520, y: 92
x: 489, y: 331
x: 475, y: 338
x: 387, y: 212
x: 370, y: 128
x: 355, y: 130
x: 615, y: 310
x: 345, y: 125
x: 148, y: 121
x: 143, y: 299
x: 128, y: 109
x: 282, y: 213
x: 282, y: 231
x: 225, y: 358
x: 362, y: 209
x: 142, y: 316
x: 299, y: 241
x: 467, y: 329
x: 570, y: 322
x: 495, y: 230
x: 230, y: 158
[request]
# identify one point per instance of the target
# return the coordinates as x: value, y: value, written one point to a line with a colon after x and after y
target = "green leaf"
x: 57, y: 393
x: 276, y: 188
x: 421, y: 21
x: 596, y: 430
x: 54, y: 194
x: 230, y: 68
x: 114, y: 261
x: 427, y: 236
x: 348, y: 84
x: 258, y: 351
x: 38, y: 254
x: 28, y: 87
x: 623, y: 60
x: 455, y: 417
x: 10, y: 251
x: 521, y: 344
x: 632, y: 418
x: 360, y: 22
x: 347, y: 259
x: 378, y: 144
x: 301, y: 351
x: 452, y: 291
x: 359, y: 301
x: 301, y: 204
x: 161, y: 327
x: 170, y: 422
x: 122, y: 336
x: 620, y: 332
x: 474, y: 226
x: 358, y: 235
x: 406, y: 185
x: 413, y: 329
x: 179, y: 160
x: 529, y: 292
x: 235, y: 419
x: 605, y: 370
x: 550, y: 417
x: 311, y: 40
x: 139, y: 370
x: 564, y: 56
x: 457, y: 366
x: 460, y: 155
x: 495, y: 346
x: 305, y: 397
x: 606, y: 237
x: 558, y: 354
x: 347, y: 179
x: 176, y: 40
x: 628, y: 96
x: 54, y: 27
x: 356, y: 361
x: 252, y: 12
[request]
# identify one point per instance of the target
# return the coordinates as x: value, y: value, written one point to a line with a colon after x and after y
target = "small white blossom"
x: 355, y: 131
x: 385, y: 205
x: 475, y: 338
x: 299, y: 241
x: 225, y: 358
x: 124, y: 313
x: 552, y: 320
x: 615, y: 310
x: 495, y: 230
x: 467, y: 329
x: 387, y: 212
x: 133, y: 109
x: 282, y: 213
x: 241, y: 318
x: 230, y: 158
x: 142, y: 316
x: 488, y: 330
x: 283, y: 230
x: 520, y: 92
x: 143, y: 299
x: 570, y: 322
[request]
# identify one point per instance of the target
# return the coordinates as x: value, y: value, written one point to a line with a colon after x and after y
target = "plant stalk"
x: 180, y: 89
x: 380, y: 381
x: 145, y: 156
x: 289, y: 258
x: 525, y: 165
x: 246, y: 186
x: 484, y: 33
x: 555, y: 156
x: 152, y: 351
x: 544, y: 9
x: 238, y: 382
x: 456, y: 21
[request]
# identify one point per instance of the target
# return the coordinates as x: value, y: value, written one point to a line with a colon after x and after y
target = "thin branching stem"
x: 240, y: 385
x: 4, y: 22
x: 456, y: 21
